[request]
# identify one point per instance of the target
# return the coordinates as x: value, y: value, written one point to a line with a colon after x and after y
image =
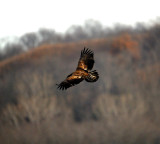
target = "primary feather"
x: 86, y: 60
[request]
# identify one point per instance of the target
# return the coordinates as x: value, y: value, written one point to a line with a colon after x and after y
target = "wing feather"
x: 86, y: 60
x: 70, y: 81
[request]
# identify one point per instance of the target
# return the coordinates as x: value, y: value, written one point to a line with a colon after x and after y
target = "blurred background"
x: 40, y: 44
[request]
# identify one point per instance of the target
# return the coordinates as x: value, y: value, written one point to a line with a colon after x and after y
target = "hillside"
x: 121, y: 107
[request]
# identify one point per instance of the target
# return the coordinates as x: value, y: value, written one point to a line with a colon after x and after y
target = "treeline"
x: 91, y: 30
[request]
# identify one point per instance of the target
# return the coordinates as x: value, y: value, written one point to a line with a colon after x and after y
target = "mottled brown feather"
x: 86, y: 60
x: 73, y: 79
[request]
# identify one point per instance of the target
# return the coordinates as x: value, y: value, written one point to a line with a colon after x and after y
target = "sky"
x: 22, y: 16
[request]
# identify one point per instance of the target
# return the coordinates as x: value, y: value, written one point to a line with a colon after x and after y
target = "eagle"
x: 83, y: 71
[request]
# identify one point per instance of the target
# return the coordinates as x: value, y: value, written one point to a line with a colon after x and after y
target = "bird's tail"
x: 92, y: 76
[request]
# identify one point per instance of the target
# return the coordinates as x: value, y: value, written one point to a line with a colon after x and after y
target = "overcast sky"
x: 22, y: 16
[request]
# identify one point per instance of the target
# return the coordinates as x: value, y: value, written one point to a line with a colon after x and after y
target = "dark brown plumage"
x: 83, y: 71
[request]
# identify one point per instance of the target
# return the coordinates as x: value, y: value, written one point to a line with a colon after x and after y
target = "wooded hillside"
x: 121, y: 107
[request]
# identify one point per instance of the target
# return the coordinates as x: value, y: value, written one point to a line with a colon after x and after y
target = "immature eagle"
x: 83, y: 71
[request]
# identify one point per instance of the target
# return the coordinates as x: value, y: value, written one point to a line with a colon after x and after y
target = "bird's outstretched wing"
x: 70, y: 81
x: 86, y: 60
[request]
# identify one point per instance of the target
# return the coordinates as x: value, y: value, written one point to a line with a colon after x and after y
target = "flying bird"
x: 83, y: 71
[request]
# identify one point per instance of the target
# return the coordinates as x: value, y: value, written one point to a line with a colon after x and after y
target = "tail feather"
x: 92, y: 76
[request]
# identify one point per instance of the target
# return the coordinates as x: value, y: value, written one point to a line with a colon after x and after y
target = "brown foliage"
x: 125, y: 42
